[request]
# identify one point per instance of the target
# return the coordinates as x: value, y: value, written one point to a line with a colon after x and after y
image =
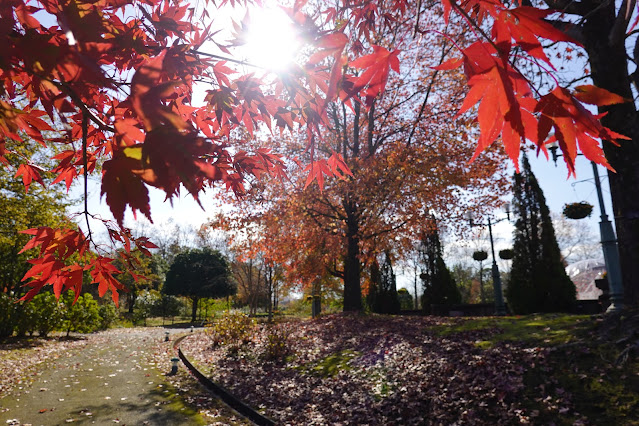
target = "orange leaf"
x: 29, y: 173
x: 594, y: 95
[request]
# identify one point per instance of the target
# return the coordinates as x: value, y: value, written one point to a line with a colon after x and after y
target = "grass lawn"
x: 585, y: 365
x: 376, y: 369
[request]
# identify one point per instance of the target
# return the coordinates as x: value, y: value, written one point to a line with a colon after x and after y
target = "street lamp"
x: 500, y: 308
x: 608, y: 241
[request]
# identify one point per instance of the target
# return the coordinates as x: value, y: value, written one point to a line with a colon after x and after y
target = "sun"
x: 271, y: 40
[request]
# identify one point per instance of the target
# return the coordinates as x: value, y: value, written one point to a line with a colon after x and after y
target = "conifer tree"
x: 382, y: 296
x: 439, y: 284
x: 538, y: 280
x: 373, y: 287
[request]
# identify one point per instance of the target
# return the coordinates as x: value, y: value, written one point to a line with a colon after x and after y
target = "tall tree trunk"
x: 131, y: 301
x: 609, y: 65
x: 194, y: 303
x: 415, y: 260
x: 352, y: 267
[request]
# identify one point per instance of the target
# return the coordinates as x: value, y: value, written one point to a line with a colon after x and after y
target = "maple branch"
x: 385, y: 231
x: 334, y: 271
x: 346, y: 145
x: 474, y: 24
x: 618, y: 30
x: 338, y: 129
x: 419, y: 13
x: 224, y: 58
x: 80, y: 104
x: 570, y: 83
x: 568, y: 6
x: 572, y: 30
x: 423, y: 107
x: 330, y: 206
x: 85, y: 131
x: 62, y: 85
x: 445, y: 51
x: 315, y: 214
x: 371, y: 128
x: 356, y: 129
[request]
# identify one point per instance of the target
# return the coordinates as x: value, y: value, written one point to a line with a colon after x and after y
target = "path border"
x: 228, y: 398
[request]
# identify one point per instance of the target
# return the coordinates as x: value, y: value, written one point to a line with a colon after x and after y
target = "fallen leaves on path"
x: 19, y: 359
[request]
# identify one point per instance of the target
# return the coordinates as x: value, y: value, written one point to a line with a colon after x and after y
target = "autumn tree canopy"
x: 116, y: 79
x: 407, y: 157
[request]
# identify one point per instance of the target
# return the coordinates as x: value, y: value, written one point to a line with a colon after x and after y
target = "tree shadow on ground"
x: 16, y: 343
x: 155, y: 407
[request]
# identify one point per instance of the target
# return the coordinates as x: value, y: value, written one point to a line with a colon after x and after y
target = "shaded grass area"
x: 331, y: 365
x: 584, y: 366
x: 539, y: 330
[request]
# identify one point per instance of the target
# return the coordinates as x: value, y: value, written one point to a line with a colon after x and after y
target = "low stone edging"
x: 221, y: 392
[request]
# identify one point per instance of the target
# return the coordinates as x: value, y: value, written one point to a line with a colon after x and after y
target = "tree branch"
x: 85, y: 131
x: 568, y: 28
x: 618, y: 31
x: 567, y: 6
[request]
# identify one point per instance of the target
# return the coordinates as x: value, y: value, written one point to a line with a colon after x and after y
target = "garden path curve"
x: 112, y: 379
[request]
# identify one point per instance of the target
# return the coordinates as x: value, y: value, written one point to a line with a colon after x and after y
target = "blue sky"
x: 557, y: 187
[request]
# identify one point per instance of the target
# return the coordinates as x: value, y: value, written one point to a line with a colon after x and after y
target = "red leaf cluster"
x: 118, y: 76
x: 58, y: 246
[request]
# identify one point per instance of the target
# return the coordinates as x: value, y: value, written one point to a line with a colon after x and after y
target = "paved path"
x: 112, y: 380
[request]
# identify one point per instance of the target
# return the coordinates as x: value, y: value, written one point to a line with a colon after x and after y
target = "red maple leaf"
x: 29, y: 173
x: 122, y: 184
x: 574, y: 127
x: 377, y: 67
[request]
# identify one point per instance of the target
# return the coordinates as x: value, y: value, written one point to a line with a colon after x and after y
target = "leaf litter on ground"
x: 391, y: 370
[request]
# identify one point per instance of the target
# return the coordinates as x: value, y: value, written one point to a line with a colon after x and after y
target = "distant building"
x: 583, y: 274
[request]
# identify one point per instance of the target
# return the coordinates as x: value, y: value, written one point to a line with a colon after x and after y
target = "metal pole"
x: 482, y: 296
x: 500, y: 309
x: 610, y: 251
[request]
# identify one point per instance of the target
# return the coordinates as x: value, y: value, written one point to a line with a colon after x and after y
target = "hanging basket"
x: 506, y: 254
x: 480, y: 255
x: 577, y: 210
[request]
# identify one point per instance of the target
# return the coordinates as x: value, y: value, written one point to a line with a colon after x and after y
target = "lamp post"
x: 174, y: 366
x: 500, y: 308
x: 608, y: 241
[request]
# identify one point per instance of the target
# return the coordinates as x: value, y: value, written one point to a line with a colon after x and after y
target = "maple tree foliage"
x: 407, y: 157
x: 117, y: 77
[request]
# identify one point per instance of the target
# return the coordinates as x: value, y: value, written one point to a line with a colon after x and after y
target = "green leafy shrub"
x: 108, y: 314
x: 234, y: 328
x: 405, y: 299
x: 24, y: 318
x: 277, y: 345
x: 83, y: 316
x: 6, y: 315
x: 48, y: 313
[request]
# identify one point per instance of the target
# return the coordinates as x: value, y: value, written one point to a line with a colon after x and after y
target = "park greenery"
x: 199, y: 273
x: 538, y: 279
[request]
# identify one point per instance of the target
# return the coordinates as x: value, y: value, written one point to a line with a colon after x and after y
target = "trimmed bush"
x: 233, y: 328
x: 108, y: 314
x: 83, y: 316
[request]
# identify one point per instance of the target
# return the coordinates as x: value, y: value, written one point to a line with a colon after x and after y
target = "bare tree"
x: 576, y: 240
x: 250, y: 277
